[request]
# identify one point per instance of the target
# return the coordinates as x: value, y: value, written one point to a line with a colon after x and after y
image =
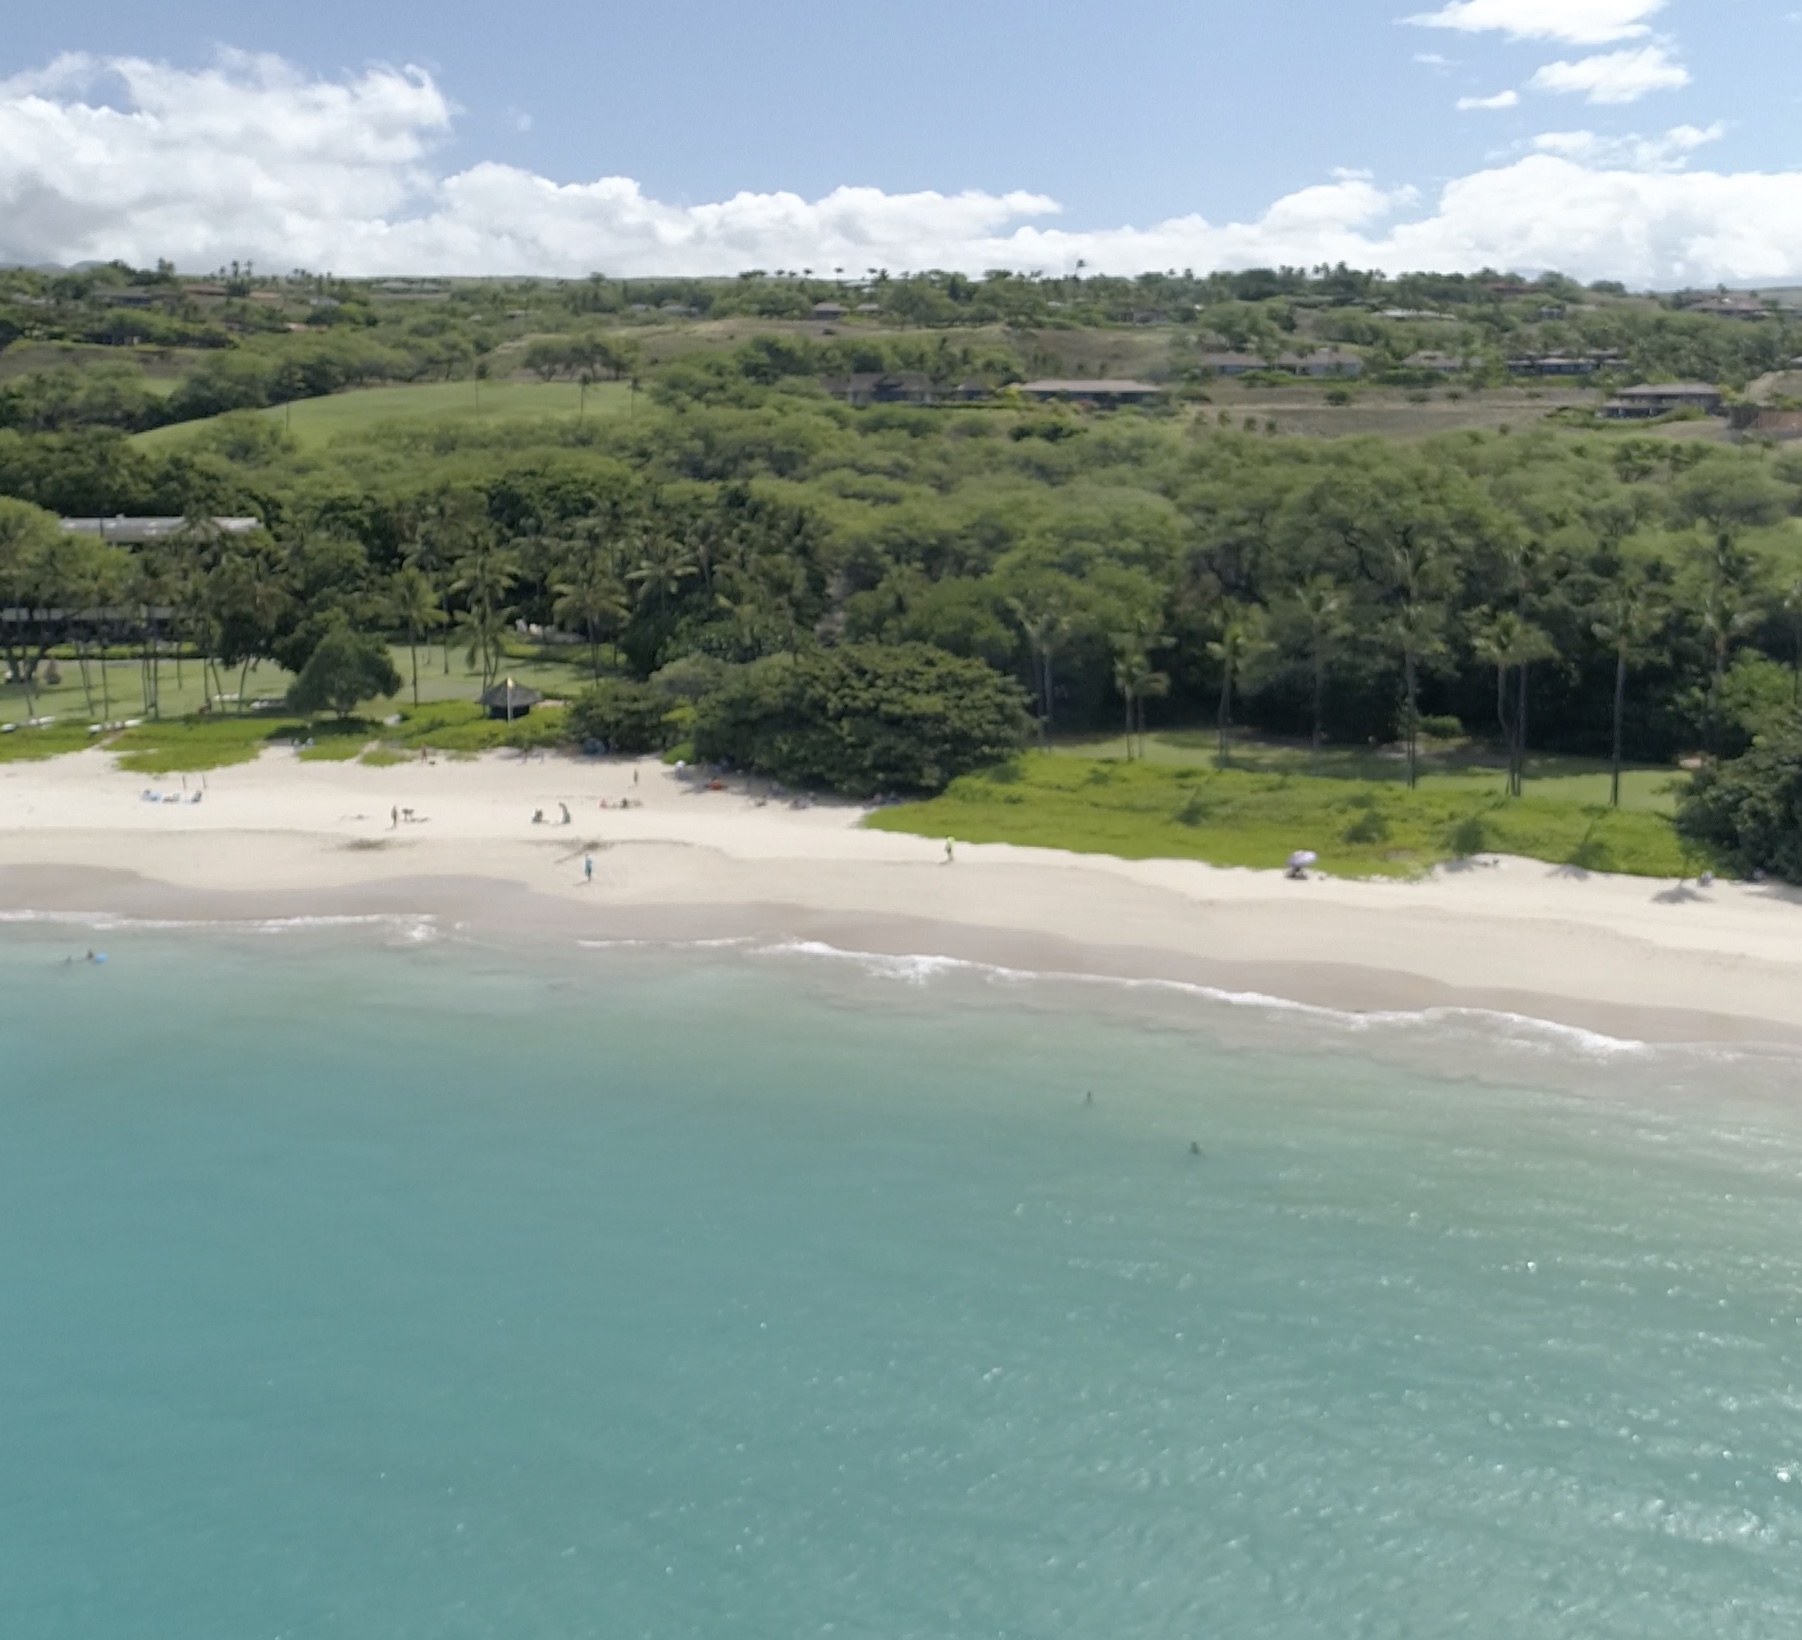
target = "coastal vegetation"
x: 1244, y: 817
x: 644, y: 499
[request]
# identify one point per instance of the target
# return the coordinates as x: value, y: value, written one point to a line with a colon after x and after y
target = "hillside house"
x: 1661, y: 398
x: 1103, y: 394
x: 831, y: 312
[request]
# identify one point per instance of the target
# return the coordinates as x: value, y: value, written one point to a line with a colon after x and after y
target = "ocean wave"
x: 415, y: 928
x: 1519, y: 1031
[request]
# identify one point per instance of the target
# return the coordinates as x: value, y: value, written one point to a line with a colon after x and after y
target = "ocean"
x: 365, y: 1280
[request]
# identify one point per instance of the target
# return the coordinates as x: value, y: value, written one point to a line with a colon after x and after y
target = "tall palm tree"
x: 1240, y: 642
x: 1628, y: 622
x: 1045, y: 625
x: 483, y: 577
x: 591, y: 597
x: 1511, y: 644
x: 413, y: 601
x: 1323, y: 605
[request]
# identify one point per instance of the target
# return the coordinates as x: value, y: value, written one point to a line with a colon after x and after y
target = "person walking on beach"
x: 950, y: 850
x: 394, y: 818
x: 565, y: 808
x: 588, y: 869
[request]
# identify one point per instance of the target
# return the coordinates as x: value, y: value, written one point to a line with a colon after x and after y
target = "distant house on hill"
x: 1321, y: 361
x: 1231, y: 364
x: 831, y: 312
x: 866, y: 387
x: 509, y: 700
x: 869, y: 307
x: 1731, y: 307
x: 1442, y: 364
x: 1103, y: 394
x: 1661, y: 398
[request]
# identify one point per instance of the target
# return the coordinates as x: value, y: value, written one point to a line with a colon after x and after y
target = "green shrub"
x: 628, y: 718
x: 1749, y: 811
x: 1469, y: 836
x: 865, y: 718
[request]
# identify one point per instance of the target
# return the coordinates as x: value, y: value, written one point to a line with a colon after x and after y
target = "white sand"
x: 1628, y: 955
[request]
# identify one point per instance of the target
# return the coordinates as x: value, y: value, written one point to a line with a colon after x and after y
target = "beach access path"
x: 282, y: 837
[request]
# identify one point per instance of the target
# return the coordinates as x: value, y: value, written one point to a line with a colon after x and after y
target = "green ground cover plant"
x: 1241, y: 818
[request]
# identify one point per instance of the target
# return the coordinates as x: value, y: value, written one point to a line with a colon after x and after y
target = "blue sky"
x: 1127, y: 118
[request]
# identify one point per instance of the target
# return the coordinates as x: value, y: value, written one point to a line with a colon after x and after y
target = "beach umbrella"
x: 1302, y: 857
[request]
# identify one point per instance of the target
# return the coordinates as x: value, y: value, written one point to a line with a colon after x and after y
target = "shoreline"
x: 1627, y: 958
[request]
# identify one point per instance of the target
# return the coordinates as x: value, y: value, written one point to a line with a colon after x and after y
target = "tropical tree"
x: 1511, y: 644
x: 413, y: 601
x: 1322, y: 606
x: 1241, y: 642
x: 591, y: 599
x: 1045, y: 625
x: 1628, y: 620
x: 249, y: 597
x: 29, y: 538
x: 345, y: 669
x: 483, y: 578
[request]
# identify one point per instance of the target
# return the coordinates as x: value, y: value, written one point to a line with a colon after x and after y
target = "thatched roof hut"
x: 510, y: 700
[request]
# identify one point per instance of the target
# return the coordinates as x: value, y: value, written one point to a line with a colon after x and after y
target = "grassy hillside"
x: 314, y: 423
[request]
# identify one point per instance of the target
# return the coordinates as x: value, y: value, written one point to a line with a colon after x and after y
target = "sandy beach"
x: 1627, y: 957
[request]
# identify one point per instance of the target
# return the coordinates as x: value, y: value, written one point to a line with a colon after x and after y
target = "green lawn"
x: 555, y: 673
x: 1459, y: 769
x: 316, y: 422
x: 1245, y: 817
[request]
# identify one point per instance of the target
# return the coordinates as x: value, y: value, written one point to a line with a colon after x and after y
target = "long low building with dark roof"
x: 137, y: 532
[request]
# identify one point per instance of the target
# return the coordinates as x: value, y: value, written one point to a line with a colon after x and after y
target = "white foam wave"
x: 414, y: 928
x: 1522, y: 1030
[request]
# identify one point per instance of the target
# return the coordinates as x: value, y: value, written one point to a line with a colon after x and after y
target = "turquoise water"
x: 357, y: 1286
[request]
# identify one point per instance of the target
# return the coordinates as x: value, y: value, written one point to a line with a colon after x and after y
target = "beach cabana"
x: 510, y: 700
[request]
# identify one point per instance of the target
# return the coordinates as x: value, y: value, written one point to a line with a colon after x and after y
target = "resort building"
x: 137, y: 532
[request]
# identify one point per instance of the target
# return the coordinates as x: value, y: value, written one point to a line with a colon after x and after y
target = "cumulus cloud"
x: 1502, y: 99
x: 1576, y: 22
x: 1615, y: 76
x: 1668, y: 151
x: 247, y: 159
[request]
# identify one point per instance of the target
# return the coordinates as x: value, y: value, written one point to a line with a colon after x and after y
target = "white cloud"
x: 1668, y: 151
x: 1616, y: 76
x: 1577, y: 22
x: 1502, y: 99
x: 248, y: 159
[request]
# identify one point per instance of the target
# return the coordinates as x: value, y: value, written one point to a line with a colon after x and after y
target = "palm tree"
x: 663, y: 567
x: 1323, y: 605
x: 1241, y: 641
x: 591, y: 596
x: 1414, y: 632
x: 1511, y: 643
x: 414, y: 602
x: 1046, y: 626
x: 1130, y: 666
x: 484, y: 577
x: 250, y: 598
x: 1628, y: 622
